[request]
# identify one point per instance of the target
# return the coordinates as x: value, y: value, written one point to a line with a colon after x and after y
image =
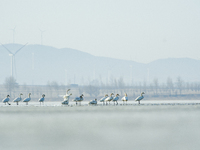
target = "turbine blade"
x: 20, y: 49
x: 7, y: 49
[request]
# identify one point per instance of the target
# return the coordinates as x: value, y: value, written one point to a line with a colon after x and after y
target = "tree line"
x: 153, y: 89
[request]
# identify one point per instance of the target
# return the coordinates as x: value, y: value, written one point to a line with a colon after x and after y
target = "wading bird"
x: 66, y: 98
x: 115, y: 99
x: 27, y: 99
x: 93, y: 102
x: 42, y: 99
x: 18, y: 99
x: 139, y: 98
x: 79, y: 99
x: 103, y: 98
x: 108, y: 99
x: 125, y: 98
x: 5, y: 100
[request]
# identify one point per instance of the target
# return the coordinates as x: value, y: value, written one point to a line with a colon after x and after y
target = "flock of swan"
x: 66, y: 97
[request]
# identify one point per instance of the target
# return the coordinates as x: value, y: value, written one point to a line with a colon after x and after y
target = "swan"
x: 5, y: 100
x: 139, y: 98
x: 109, y: 98
x: 125, y: 98
x: 103, y: 98
x: 115, y: 99
x: 79, y: 99
x: 27, y: 99
x: 42, y: 99
x: 18, y: 98
x: 65, y: 94
x: 66, y: 99
x: 93, y: 102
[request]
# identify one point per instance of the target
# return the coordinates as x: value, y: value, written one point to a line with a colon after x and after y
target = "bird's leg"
x: 76, y: 102
x: 138, y: 102
x: 17, y: 103
x: 117, y: 103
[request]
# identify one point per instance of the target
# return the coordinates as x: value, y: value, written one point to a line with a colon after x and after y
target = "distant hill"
x: 38, y: 64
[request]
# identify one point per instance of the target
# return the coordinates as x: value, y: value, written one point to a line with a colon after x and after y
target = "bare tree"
x: 121, y: 85
x: 55, y: 86
x: 10, y: 84
x: 92, y: 90
x: 179, y: 84
x: 155, y: 82
x: 170, y: 85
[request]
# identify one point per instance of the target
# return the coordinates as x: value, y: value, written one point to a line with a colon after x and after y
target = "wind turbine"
x: 13, y: 34
x: 13, y: 57
x: 41, y: 35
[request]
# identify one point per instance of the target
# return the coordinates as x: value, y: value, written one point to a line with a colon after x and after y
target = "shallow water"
x: 153, y: 125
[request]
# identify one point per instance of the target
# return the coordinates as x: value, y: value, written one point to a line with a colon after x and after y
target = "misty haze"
x: 99, y: 75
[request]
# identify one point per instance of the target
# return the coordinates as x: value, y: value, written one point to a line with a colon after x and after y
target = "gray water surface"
x: 141, y: 127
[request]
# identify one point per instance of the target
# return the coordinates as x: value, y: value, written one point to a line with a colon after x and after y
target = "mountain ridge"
x: 38, y: 64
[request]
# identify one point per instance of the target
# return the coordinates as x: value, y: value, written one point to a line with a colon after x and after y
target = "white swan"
x: 42, y: 99
x: 108, y: 99
x: 5, y: 100
x: 93, y: 102
x: 18, y: 99
x: 27, y: 99
x: 79, y: 99
x: 115, y: 99
x: 65, y: 94
x: 68, y: 91
x: 66, y: 98
x: 103, y: 98
x: 139, y: 98
x: 125, y: 98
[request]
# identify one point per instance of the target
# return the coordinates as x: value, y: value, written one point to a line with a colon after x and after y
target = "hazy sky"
x: 138, y: 30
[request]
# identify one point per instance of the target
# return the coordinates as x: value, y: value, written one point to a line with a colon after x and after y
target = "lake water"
x: 153, y: 125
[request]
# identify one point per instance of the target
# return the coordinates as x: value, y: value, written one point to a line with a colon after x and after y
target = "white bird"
x: 18, y: 99
x: 68, y: 91
x: 66, y: 98
x: 139, y: 98
x: 27, y: 99
x: 65, y: 94
x: 42, y: 99
x: 103, y: 98
x: 109, y: 98
x: 5, y: 100
x: 79, y: 99
x: 115, y: 99
x: 125, y: 98
x: 93, y: 102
